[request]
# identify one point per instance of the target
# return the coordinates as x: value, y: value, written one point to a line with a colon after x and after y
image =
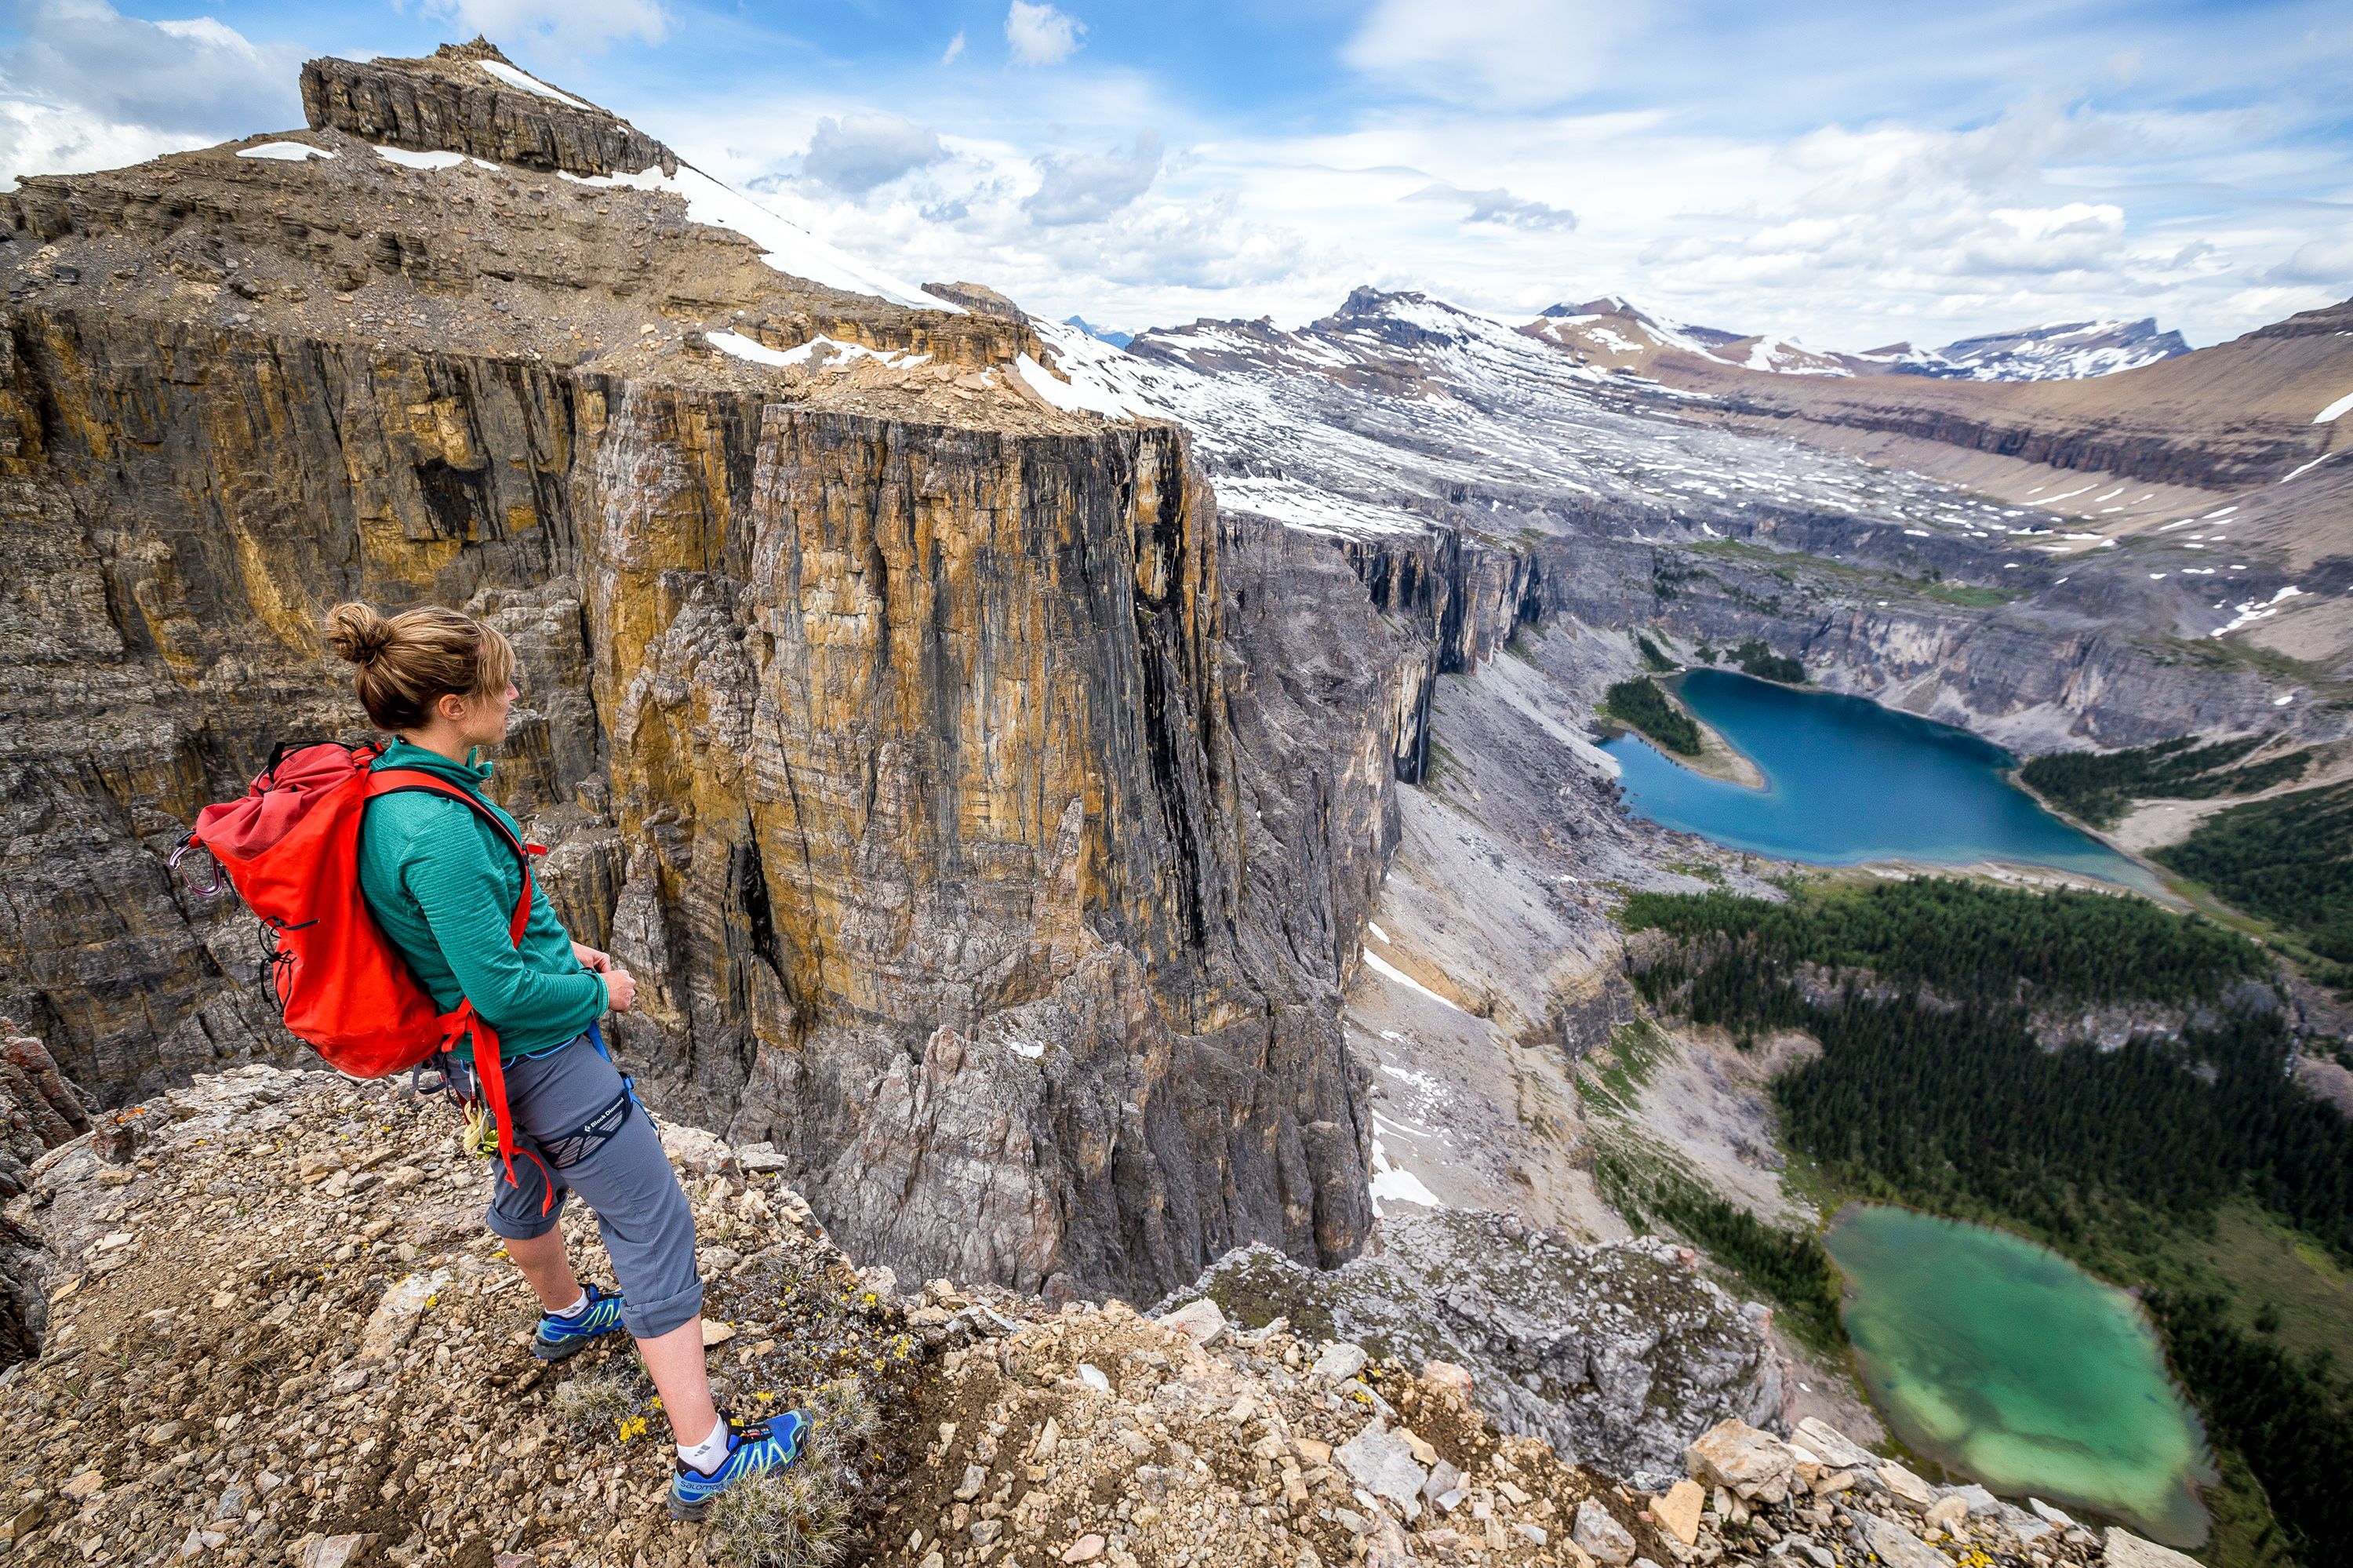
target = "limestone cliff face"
x: 925, y: 796
x: 446, y: 102
x: 1460, y: 596
x: 974, y: 843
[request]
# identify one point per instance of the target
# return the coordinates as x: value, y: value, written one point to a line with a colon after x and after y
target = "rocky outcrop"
x: 1616, y: 1354
x: 1461, y: 595
x: 891, y: 722
x: 39, y: 1111
x: 448, y: 102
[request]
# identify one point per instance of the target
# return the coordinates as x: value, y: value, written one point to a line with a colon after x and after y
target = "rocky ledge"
x: 1617, y: 1353
x: 276, y: 1334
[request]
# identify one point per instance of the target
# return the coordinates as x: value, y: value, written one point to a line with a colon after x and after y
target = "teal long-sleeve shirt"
x: 442, y: 883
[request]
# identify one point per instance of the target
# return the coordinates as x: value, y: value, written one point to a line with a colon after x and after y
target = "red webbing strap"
x: 487, y: 1067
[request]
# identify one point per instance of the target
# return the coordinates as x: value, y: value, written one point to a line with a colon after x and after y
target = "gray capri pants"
x: 649, y: 1229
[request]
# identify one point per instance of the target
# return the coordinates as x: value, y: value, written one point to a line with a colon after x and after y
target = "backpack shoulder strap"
x: 488, y: 1065
x: 399, y: 781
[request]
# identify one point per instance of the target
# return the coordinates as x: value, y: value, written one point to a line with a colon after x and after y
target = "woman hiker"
x: 442, y: 883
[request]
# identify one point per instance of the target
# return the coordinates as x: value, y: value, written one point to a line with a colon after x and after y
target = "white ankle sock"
x: 576, y: 1308
x: 707, y: 1455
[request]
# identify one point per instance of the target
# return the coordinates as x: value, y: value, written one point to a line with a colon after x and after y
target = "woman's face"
x: 486, y: 715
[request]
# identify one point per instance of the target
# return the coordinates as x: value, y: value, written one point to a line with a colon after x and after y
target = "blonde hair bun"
x: 358, y: 633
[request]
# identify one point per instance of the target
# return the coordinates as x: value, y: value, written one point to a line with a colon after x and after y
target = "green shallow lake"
x: 2002, y: 1361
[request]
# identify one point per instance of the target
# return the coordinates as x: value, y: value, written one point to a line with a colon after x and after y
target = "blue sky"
x: 1848, y: 173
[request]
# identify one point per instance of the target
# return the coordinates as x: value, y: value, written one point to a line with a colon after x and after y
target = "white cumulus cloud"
x: 1090, y: 187
x: 1497, y: 207
x: 84, y: 87
x: 561, y: 24
x: 1506, y: 53
x: 1039, y: 35
x: 2327, y: 261
x: 859, y: 151
x: 198, y: 75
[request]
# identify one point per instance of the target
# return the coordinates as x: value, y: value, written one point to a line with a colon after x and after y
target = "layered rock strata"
x: 470, y: 98
x: 888, y: 719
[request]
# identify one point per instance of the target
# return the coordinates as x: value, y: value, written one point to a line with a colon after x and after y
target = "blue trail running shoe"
x: 560, y: 1337
x: 764, y: 1445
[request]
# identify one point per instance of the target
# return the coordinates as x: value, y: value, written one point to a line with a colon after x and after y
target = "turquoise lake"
x: 2002, y: 1361
x: 1848, y: 781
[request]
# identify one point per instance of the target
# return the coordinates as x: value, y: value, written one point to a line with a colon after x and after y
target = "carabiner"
x: 211, y: 889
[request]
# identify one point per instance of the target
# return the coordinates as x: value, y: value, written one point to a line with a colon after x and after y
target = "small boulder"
x: 1339, y: 1362
x: 1199, y: 1321
x: 1906, y: 1485
x: 1752, y: 1464
x: 1982, y: 1502
x: 1833, y: 1446
x: 1454, y: 1380
x: 1948, y: 1510
x: 1678, y: 1510
x: 695, y: 1152
x: 336, y: 1551
x: 1085, y: 1549
x: 395, y: 1318
x: 1895, y: 1546
x: 1602, y: 1537
x: 1381, y: 1462
x: 2127, y: 1550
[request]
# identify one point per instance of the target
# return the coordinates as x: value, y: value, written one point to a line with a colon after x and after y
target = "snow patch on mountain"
x: 285, y: 152
x: 787, y: 246
x: 440, y: 158
x: 1627, y: 336
x: 514, y: 76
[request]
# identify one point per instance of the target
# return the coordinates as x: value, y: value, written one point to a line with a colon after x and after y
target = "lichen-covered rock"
x: 1620, y: 1354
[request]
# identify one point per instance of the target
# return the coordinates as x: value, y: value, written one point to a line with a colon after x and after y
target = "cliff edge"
x: 276, y: 1334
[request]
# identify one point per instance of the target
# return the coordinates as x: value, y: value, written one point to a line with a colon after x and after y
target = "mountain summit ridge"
x: 1625, y: 336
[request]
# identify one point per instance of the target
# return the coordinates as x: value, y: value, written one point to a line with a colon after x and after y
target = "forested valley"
x: 1932, y: 1090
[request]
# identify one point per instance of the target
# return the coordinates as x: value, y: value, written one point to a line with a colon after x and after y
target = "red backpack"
x: 290, y: 847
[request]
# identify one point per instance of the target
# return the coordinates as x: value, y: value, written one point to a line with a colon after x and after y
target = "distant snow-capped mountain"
x: 1612, y: 333
x: 2059, y: 351
x: 1616, y: 334
x: 1398, y: 413
x: 1100, y: 335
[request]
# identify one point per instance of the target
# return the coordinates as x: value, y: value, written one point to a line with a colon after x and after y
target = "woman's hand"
x: 620, y: 986
x: 590, y: 959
